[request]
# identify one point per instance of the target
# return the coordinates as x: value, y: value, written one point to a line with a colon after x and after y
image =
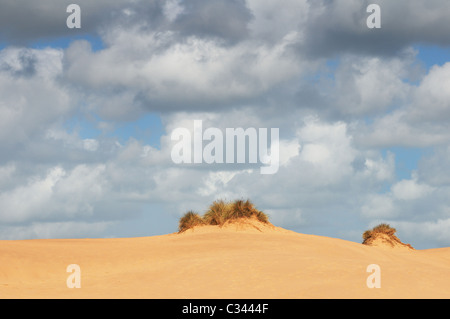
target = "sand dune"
x: 235, y: 261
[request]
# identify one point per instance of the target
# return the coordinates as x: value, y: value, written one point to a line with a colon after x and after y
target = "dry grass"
x: 189, y: 220
x: 379, y: 229
x: 246, y: 209
x: 386, y: 233
x: 219, y: 212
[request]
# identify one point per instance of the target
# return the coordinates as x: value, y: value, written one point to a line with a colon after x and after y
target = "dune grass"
x: 381, y: 228
x: 189, y: 220
x: 219, y: 212
x: 246, y: 209
x: 370, y: 235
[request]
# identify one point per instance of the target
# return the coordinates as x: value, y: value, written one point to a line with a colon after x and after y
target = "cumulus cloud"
x: 313, y: 163
x: 70, y: 229
x: 435, y: 232
x: 410, y: 190
x: 434, y: 167
x: 379, y: 206
x: 421, y: 120
x: 58, y: 194
x: 197, y: 73
x: 31, y: 101
x: 321, y: 159
x: 431, y: 103
x: 371, y: 85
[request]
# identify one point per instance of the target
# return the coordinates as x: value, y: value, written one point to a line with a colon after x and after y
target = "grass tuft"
x: 220, y: 212
x: 379, y: 229
x: 370, y: 235
x: 189, y: 220
x: 217, y: 213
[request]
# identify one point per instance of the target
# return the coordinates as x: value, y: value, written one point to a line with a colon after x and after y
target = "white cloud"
x: 57, y: 195
x: 379, y: 206
x: 326, y: 149
x: 382, y: 170
x: 288, y: 150
x: 192, y: 73
x: 410, y: 190
x: 25, y: 201
x: 316, y: 153
x: 72, y: 140
x: 30, y: 97
x: 434, y: 232
x: 370, y: 85
x: 172, y: 9
x: 286, y: 217
x: 420, y: 121
x: 434, y: 167
x: 432, y: 97
x: 71, y: 229
x: 214, y: 181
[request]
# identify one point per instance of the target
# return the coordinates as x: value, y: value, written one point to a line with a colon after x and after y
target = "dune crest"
x: 244, y: 224
x: 388, y: 241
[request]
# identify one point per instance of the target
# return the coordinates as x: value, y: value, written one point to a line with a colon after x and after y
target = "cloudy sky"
x: 86, y: 114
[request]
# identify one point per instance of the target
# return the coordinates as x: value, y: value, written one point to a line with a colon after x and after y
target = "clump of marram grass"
x: 189, y: 220
x: 262, y: 217
x: 246, y: 209
x: 219, y: 212
x: 369, y: 236
x: 379, y: 229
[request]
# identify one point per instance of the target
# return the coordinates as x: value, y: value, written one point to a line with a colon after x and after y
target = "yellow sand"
x: 236, y: 261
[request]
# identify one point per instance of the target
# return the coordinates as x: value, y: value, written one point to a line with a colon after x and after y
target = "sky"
x: 86, y: 115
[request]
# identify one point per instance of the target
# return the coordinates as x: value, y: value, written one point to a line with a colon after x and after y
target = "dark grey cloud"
x: 22, y: 21
x: 222, y: 19
x: 336, y: 27
x: 328, y: 28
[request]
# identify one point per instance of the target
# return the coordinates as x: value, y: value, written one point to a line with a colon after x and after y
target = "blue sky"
x: 147, y: 128
x: 64, y: 42
x: 86, y: 115
x: 432, y: 55
x: 406, y: 160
